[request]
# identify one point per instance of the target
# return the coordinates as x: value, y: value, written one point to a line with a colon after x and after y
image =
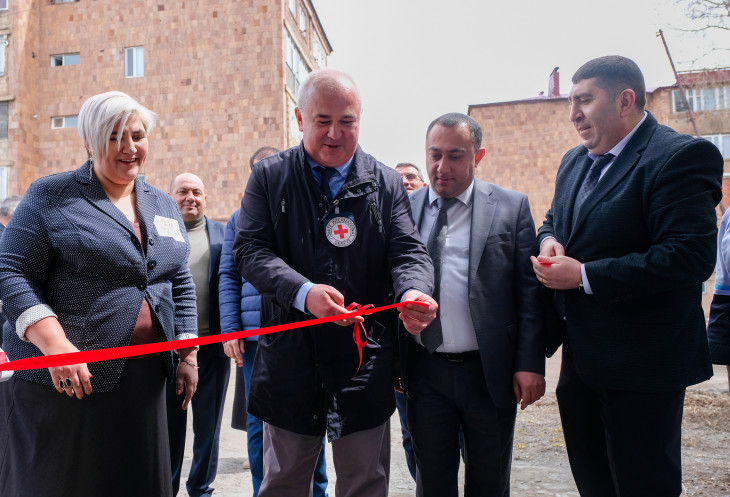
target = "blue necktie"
x: 326, y: 173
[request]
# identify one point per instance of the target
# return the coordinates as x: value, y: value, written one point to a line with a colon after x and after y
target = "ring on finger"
x: 68, y: 383
x: 60, y: 383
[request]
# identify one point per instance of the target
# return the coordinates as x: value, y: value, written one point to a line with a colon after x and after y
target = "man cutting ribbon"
x: 302, y: 384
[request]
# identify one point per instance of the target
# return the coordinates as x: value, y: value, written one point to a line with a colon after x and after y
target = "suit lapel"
x: 482, y: 215
x: 146, y: 208
x: 418, y: 201
x: 581, y: 165
x: 93, y: 192
x: 621, y: 167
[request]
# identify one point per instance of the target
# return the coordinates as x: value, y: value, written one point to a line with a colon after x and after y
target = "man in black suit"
x: 485, y: 351
x: 626, y: 245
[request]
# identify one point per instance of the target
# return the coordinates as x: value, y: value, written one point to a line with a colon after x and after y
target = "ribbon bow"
x: 356, y: 333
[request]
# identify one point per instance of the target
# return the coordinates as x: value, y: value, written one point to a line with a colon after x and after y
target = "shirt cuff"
x: 300, y: 301
x: 185, y: 336
x: 31, y: 316
x: 546, y: 238
x: 403, y: 297
x: 584, y: 279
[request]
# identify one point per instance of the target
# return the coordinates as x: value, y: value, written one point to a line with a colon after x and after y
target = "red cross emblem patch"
x: 340, y: 231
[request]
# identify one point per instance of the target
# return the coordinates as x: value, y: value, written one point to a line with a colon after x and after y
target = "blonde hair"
x: 101, y: 113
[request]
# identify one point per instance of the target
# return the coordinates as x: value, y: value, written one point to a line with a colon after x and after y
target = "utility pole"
x: 679, y: 84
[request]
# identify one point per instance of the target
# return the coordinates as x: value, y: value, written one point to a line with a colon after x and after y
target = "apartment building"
x: 222, y: 75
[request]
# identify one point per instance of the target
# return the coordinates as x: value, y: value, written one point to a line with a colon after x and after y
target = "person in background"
x: 95, y: 258
x: 624, y: 249
x: 718, y: 328
x: 412, y: 177
x: 240, y: 306
x: 323, y: 225
x: 7, y: 208
x: 206, y: 239
x: 412, y: 181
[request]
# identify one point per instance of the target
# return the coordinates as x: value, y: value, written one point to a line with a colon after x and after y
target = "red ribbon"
x: 356, y: 334
x: 56, y: 360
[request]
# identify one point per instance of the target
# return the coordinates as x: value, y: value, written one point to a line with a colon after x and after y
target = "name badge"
x: 168, y: 227
x: 340, y: 229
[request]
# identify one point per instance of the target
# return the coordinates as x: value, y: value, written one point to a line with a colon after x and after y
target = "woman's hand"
x: 48, y: 335
x: 187, y: 374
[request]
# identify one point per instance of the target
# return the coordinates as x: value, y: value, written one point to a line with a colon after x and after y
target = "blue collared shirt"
x: 336, y: 182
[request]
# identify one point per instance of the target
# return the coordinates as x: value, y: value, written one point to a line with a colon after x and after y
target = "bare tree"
x: 709, y: 14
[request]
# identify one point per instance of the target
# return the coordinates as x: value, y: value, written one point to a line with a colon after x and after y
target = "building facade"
x: 221, y: 75
x: 526, y: 139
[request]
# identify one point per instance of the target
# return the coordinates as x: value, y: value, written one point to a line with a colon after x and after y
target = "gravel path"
x: 540, y: 465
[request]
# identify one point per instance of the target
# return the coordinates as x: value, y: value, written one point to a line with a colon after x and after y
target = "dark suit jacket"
x: 503, y: 299
x: 216, y: 233
x: 647, y: 236
x: 67, y: 247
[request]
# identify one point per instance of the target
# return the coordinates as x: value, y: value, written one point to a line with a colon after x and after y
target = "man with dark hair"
x: 614, y: 74
x: 484, y: 352
x: 261, y: 153
x: 628, y: 241
x: 324, y: 225
x: 412, y: 177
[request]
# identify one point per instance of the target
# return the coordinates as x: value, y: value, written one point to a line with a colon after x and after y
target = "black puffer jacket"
x: 303, y: 379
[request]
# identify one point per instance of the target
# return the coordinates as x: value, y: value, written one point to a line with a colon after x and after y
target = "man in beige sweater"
x: 206, y: 241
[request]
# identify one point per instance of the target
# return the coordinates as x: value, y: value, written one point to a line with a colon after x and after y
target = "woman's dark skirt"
x: 107, y: 444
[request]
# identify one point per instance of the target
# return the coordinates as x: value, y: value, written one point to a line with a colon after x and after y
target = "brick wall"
x: 213, y: 72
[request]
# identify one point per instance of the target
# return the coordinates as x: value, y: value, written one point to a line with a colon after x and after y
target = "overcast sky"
x: 414, y: 60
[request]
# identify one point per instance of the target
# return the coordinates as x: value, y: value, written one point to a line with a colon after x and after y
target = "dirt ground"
x: 540, y: 464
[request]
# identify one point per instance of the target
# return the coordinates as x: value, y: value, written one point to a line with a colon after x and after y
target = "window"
x: 4, y: 120
x: 303, y: 21
x: 3, y: 4
x: 66, y: 59
x: 296, y: 68
x: 722, y: 142
x: 293, y: 7
x: 59, y: 122
x: 318, y: 52
x: 3, y: 182
x: 702, y: 99
x: 294, y: 132
x: 3, y: 44
x: 134, y: 57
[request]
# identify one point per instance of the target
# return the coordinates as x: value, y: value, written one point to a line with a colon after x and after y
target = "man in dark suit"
x: 206, y: 241
x: 484, y: 352
x: 626, y: 245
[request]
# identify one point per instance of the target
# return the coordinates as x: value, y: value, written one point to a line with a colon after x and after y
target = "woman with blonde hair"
x: 94, y: 258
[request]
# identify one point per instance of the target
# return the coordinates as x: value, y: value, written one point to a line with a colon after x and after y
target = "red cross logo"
x: 341, y: 231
